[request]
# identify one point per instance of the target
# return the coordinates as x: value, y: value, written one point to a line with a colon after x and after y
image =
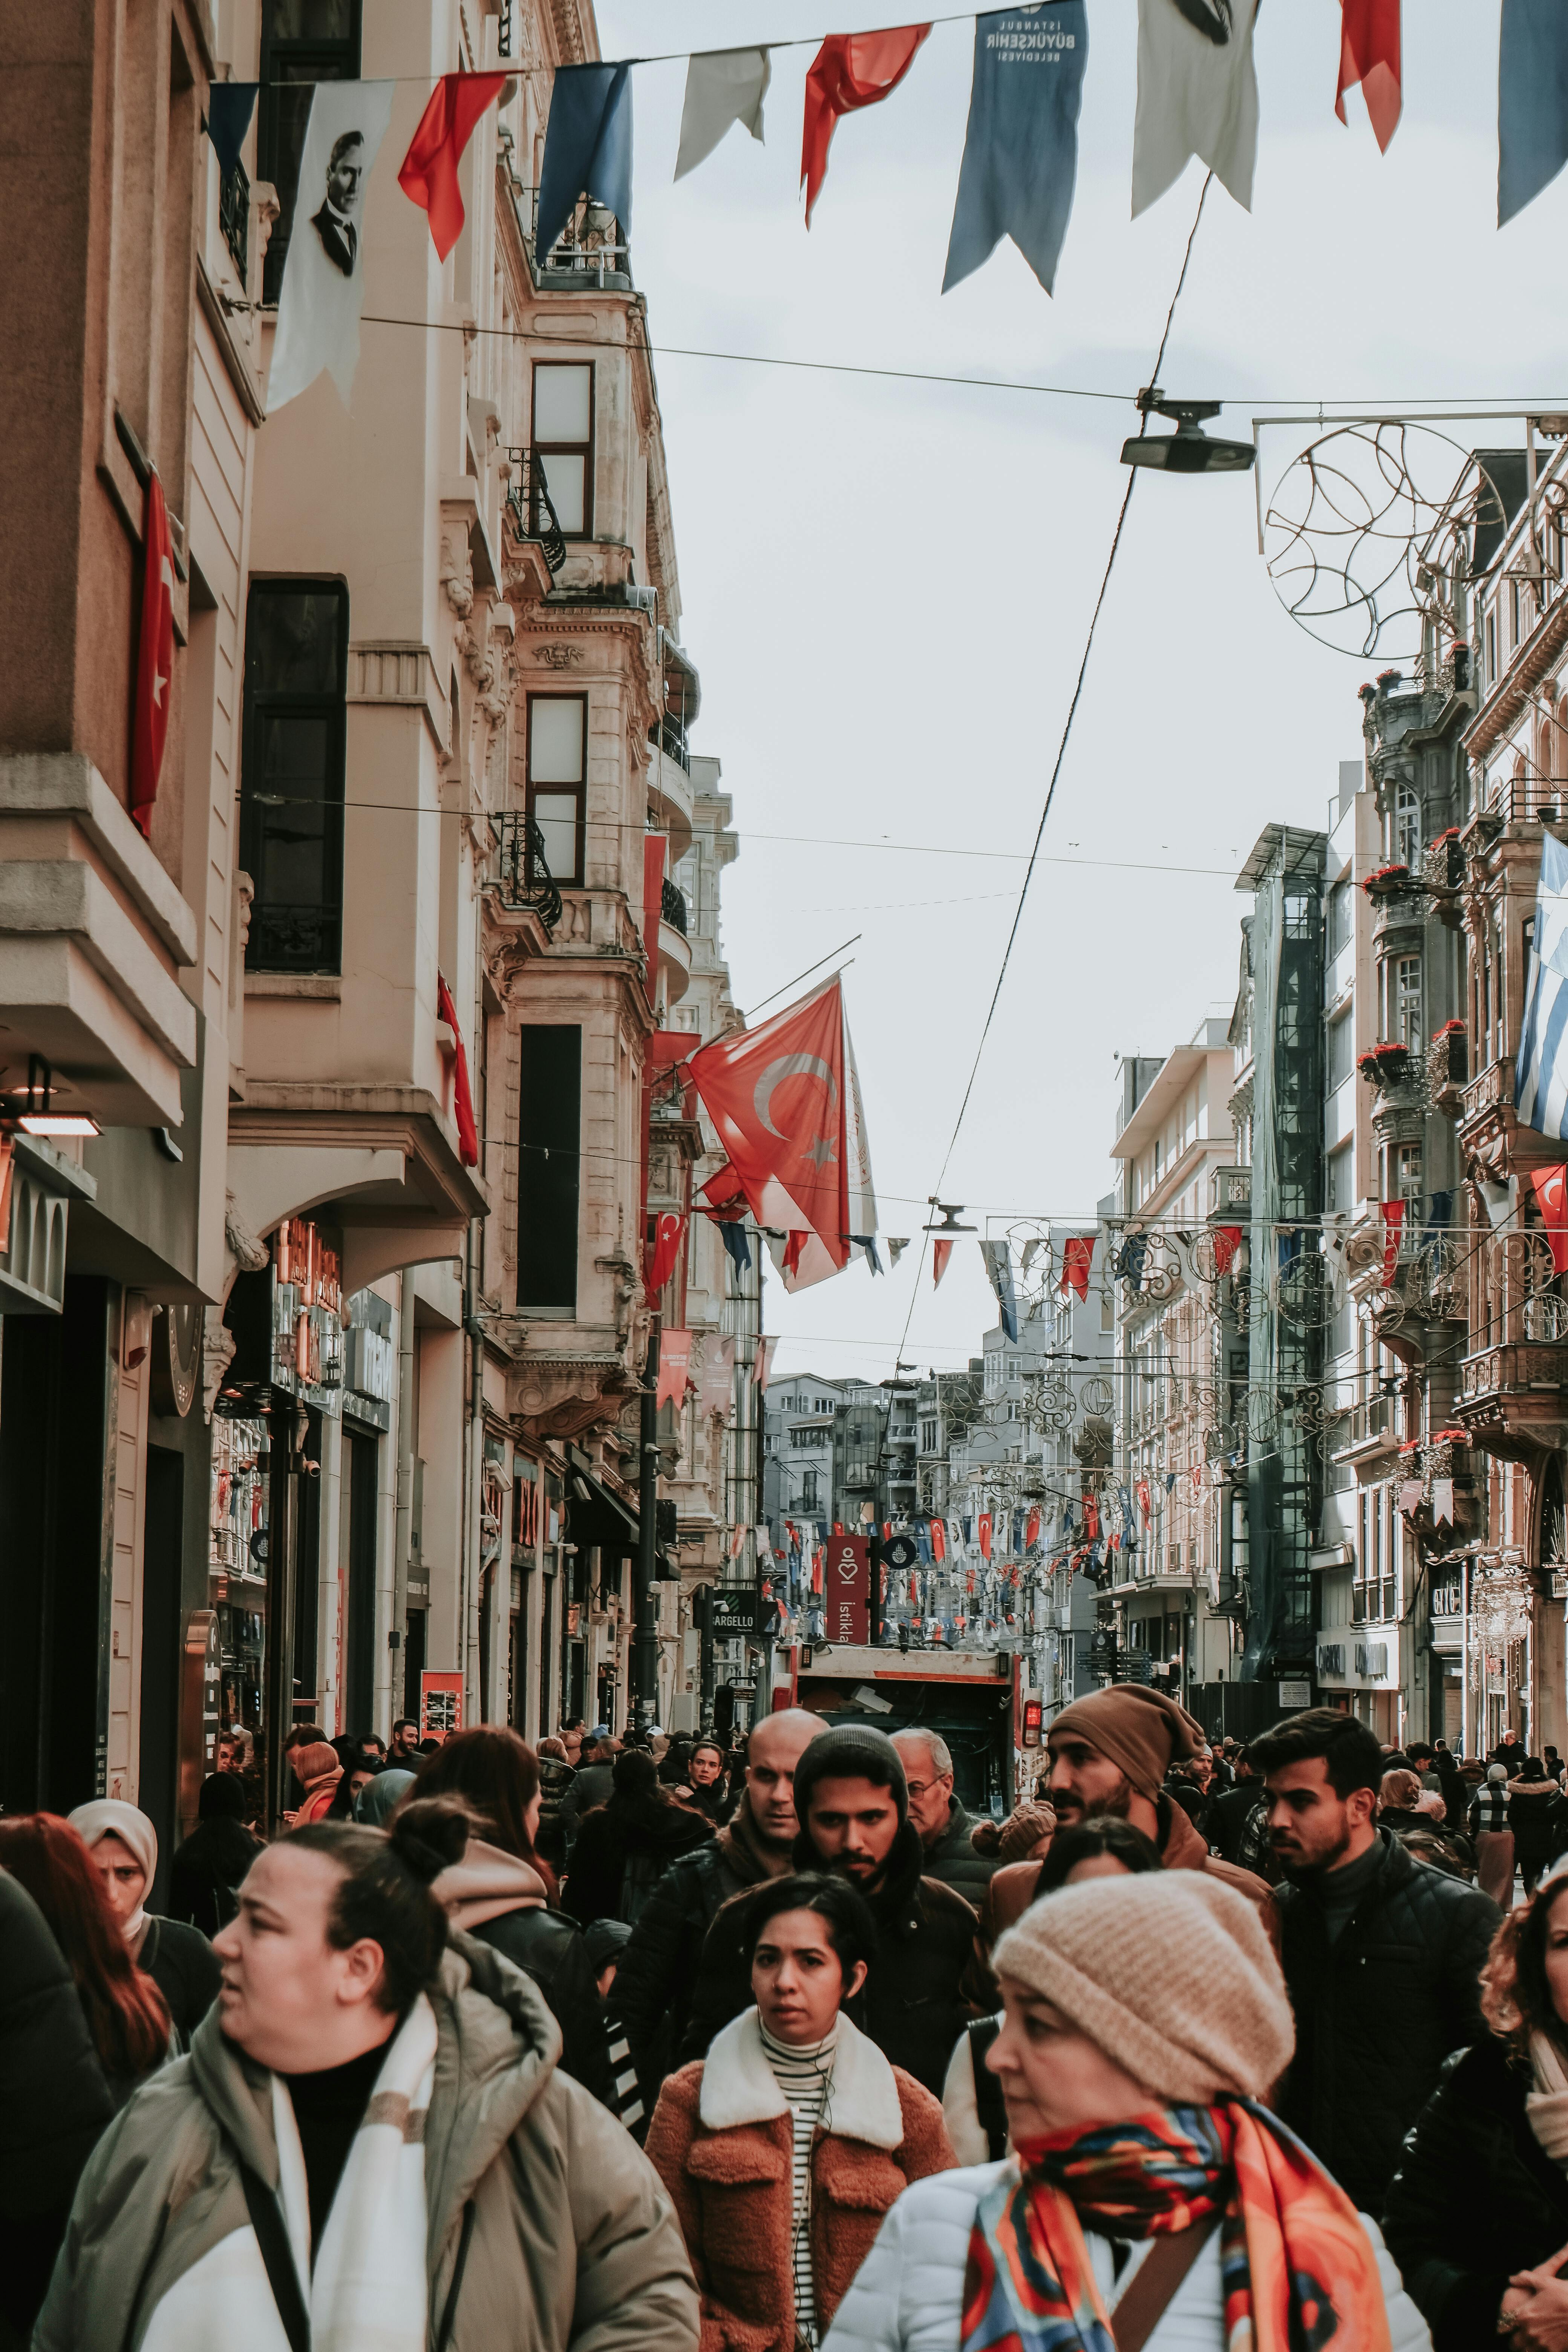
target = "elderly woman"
x: 1477, y: 2212
x: 122, y: 1846
x: 1149, y: 2191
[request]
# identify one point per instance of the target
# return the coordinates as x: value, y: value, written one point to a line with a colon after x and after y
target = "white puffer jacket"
x: 909, y: 2292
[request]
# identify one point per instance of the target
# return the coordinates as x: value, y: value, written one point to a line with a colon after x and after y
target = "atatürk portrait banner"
x: 323, y: 277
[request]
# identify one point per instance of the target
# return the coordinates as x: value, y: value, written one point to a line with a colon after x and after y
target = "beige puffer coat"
x: 569, y: 2238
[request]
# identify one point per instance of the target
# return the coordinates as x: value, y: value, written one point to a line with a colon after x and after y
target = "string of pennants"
x: 1196, y: 95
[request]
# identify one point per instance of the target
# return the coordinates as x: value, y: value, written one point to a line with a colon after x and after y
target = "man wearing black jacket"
x: 658, y: 1967
x: 928, y: 1978
x: 1383, y: 1955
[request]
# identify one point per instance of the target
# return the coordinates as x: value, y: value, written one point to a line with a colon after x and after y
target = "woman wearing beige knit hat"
x: 1150, y: 2193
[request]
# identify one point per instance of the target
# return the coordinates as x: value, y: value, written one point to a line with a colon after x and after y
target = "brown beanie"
x: 1170, y: 1972
x: 316, y: 1763
x: 1022, y: 1831
x: 1140, y: 1730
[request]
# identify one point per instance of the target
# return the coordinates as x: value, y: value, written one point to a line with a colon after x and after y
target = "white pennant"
x: 1197, y: 95
x: 723, y: 85
x: 323, y: 275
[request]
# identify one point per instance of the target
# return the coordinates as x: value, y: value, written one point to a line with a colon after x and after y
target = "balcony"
x: 1447, y: 1069
x: 589, y: 252
x: 1373, y: 1434
x: 1511, y: 1397
x: 674, y: 947
x: 234, y: 217
x: 1489, y: 1131
x: 672, y: 905
x: 518, y: 871
x: 528, y: 513
x: 669, y: 796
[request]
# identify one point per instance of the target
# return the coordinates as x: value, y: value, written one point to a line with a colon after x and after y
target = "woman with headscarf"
x: 625, y: 1847
x: 375, y: 1805
x: 206, y: 1870
x: 1149, y: 2191
x: 318, y: 1769
x: 123, y: 1848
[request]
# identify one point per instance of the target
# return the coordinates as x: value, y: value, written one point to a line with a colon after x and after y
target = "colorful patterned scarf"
x: 1298, y: 2267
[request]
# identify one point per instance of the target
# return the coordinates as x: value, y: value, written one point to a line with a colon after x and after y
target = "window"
x: 292, y: 817
x: 302, y: 42
x: 1341, y: 913
x: 1407, y: 1171
x: 1341, y: 1174
x: 1400, y: 983
x: 564, y: 440
x: 1406, y: 826
x: 557, y: 772
x: 550, y: 1088
x: 808, y: 1491
x: 1491, y: 641
x: 1341, y: 1050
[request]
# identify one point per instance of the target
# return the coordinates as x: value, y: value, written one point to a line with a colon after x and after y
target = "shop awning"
x: 595, y: 1515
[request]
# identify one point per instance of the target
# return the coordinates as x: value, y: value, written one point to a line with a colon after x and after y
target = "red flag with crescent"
x: 938, y: 1542
x: 668, y: 1230
x: 785, y: 1099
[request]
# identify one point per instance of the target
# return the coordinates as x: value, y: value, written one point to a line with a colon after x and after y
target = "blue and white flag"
x: 1531, y: 101
x: 1540, y: 1071
x: 999, y: 1266
x: 1020, y: 152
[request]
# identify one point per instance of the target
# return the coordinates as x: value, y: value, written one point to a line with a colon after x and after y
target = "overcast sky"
x: 887, y: 586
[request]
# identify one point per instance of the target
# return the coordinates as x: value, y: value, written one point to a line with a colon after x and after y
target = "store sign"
x: 1293, y: 1697
x: 848, y: 1576
x: 370, y: 1375
x: 736, y: 1612
x: 440, y: 1706
x: 1032, y: 1711
x: 307, y: 1317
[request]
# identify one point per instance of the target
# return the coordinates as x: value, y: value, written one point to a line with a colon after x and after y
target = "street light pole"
x: 645, y: 1638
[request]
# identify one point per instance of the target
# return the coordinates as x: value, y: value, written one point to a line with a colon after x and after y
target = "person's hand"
x: 1535, y: 2308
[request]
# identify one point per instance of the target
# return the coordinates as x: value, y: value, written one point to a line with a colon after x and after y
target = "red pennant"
x: 428, y: 173
x: 1078, y: 1256
x: 1031, y: 1530
x: 1141, y: 1491
x: 675, y: 1370
x: 850, y: 71
x: 1550, y: 1188
x: 940, y: 1254
x: 1226, y: 1241
x: 1369, y: 54
x: 1091, y: 1517
x: 792, y: 1248
x: 667, y: 1231
x: 984, y: 1536
x: 462, y: 1102
x: 1393, y: 1227
x: 937, y: 1532
x: 154, y: 657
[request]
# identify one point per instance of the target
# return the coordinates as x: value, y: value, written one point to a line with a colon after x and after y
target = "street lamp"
x: 1187, y: 450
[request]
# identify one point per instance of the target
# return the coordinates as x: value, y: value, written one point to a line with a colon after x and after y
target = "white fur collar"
x: 740, y: 2087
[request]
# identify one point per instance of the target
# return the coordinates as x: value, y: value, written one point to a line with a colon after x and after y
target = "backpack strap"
x: 1153, y: 2287
x: 272, y: 2237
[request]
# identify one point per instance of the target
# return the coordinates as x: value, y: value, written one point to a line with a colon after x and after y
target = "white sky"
x: 887, y: 586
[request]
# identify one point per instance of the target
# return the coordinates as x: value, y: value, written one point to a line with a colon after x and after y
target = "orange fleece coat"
x: 732, y: 2191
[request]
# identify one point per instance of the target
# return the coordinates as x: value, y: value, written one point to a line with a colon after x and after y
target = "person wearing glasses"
x: 941, y: 1822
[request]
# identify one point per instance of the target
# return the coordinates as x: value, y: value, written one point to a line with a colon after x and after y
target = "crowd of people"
x: 777, y: 2048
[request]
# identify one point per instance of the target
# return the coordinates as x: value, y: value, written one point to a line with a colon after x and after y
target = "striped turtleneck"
x: 804, y: 2076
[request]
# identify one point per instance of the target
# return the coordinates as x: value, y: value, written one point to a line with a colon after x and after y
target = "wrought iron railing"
x: 234, y: 217
x: 519, y: 869
x: 591, y: 244
x: 672, y: 907
x: 670, y: 737
x: 533, y: 516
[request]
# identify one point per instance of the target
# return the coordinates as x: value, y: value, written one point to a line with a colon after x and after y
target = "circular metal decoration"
x: 1262, y: 1415
x: 1385, y: 1308
x: 1097, y: 1397
x: 1306, y: 1293
x: 1440, y: 1270
x: 1369, y: 530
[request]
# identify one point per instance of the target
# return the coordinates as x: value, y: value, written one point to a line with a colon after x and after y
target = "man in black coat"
x: 54, y: 2102
x: 658, y: 1969
x: 1383, y: 1955
x: 927, y: 1979
x: 942, y: 1824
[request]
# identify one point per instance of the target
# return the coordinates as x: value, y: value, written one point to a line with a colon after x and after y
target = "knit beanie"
x: 1141, y: 1731
x: 851, y: 1751
x: 1022, y: 1831
x: 1170, y: 1972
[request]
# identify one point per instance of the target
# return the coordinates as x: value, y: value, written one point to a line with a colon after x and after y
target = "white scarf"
x: 1547, y: 2105
x: 369, y: 2290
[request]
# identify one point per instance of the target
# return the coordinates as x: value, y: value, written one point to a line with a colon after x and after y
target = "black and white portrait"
x: 337, y: 223
x: 323, y: 276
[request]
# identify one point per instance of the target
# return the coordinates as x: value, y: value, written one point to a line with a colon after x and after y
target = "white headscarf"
x: 111, y: 1817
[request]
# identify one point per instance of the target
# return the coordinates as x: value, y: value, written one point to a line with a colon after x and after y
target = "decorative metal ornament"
x: 1306, y: 1295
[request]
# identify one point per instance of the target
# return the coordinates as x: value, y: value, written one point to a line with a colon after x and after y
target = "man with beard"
x: 927, y: 1978
x: 1382, y: 1956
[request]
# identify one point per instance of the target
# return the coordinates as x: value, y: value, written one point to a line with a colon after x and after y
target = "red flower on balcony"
x: 1387, y: 1064
x: 1449, y: 1029
x: 1386, y: 880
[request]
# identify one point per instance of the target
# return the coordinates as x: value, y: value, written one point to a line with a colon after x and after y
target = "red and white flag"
x: 1369, y: 54
x: 1078, y: 1256
x: 785, y: 1099
x: 462, y: 1101
x: 1549, y: 1185
x: 984, y: 1529
x: 154, y: 657
x: 718, y: 1374
x: 668, y: 1230
x: 1393, y: 1228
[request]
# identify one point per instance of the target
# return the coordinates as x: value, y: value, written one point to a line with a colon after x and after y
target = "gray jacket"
x: 571, y: 2240
x: 954, y: 1862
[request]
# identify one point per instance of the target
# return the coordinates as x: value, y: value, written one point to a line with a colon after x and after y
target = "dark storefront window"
x: 291, y: 824
x: 302, y: 42
x: 550, y: 1134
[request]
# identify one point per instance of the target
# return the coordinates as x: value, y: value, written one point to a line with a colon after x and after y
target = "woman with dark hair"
x: 1477, y: 2212
x: 705, y: 1784
x: 373, y: 2134
x: 123, y: 1848
x: 503, y: 1893
x: 206, y: 1870
x: 625, y: 1847
x: 784, y: 2147
x: 126, y: 2014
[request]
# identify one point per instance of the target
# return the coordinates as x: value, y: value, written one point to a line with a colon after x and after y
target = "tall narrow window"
x: 564, y: 440
x: 1407, y: 1007
x: 302, y: 42
x: 291, y: 818
x: 549, y: 1086
x: 557, y: 778
x: 1406, y: 826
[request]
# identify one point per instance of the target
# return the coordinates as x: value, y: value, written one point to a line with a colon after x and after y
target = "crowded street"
x: 716, y: 1636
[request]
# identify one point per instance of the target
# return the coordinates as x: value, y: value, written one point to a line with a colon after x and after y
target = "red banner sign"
x: 440, y: 1705
x: 848, y: 1589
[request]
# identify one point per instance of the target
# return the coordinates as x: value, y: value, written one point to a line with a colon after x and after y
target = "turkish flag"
x: 1550, y: 1186
x: 1091, y: 1517
x: 1078, y: 1256
x: 462, y: 1101
x: 1369, y: 53
x: 428, y: 173
x: 1226, y: 1241
x: 985, y: 1534
x: 154, y: 658
x: 1141, y: 1490
x: 785, y: 1099
x: 1031, y: 1530
x: 850, y: 71
x: 938, y: 1541
x: 668, y: 1230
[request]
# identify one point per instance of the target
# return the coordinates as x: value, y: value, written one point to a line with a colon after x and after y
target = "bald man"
x: 658, y: 1967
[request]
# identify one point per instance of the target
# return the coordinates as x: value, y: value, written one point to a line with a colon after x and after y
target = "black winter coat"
x: 186, y: 1970
x: 549, y: 1948
x: 1378, y: 2013
x: 1538, y: 1816
x: 954, y: 1861
x: 1476, y: 2198
x: 619, y: 1859
x: 658, y: 1970
x: 924, y: 1985
x: 205, y: 1874
x: 54, y: 2102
